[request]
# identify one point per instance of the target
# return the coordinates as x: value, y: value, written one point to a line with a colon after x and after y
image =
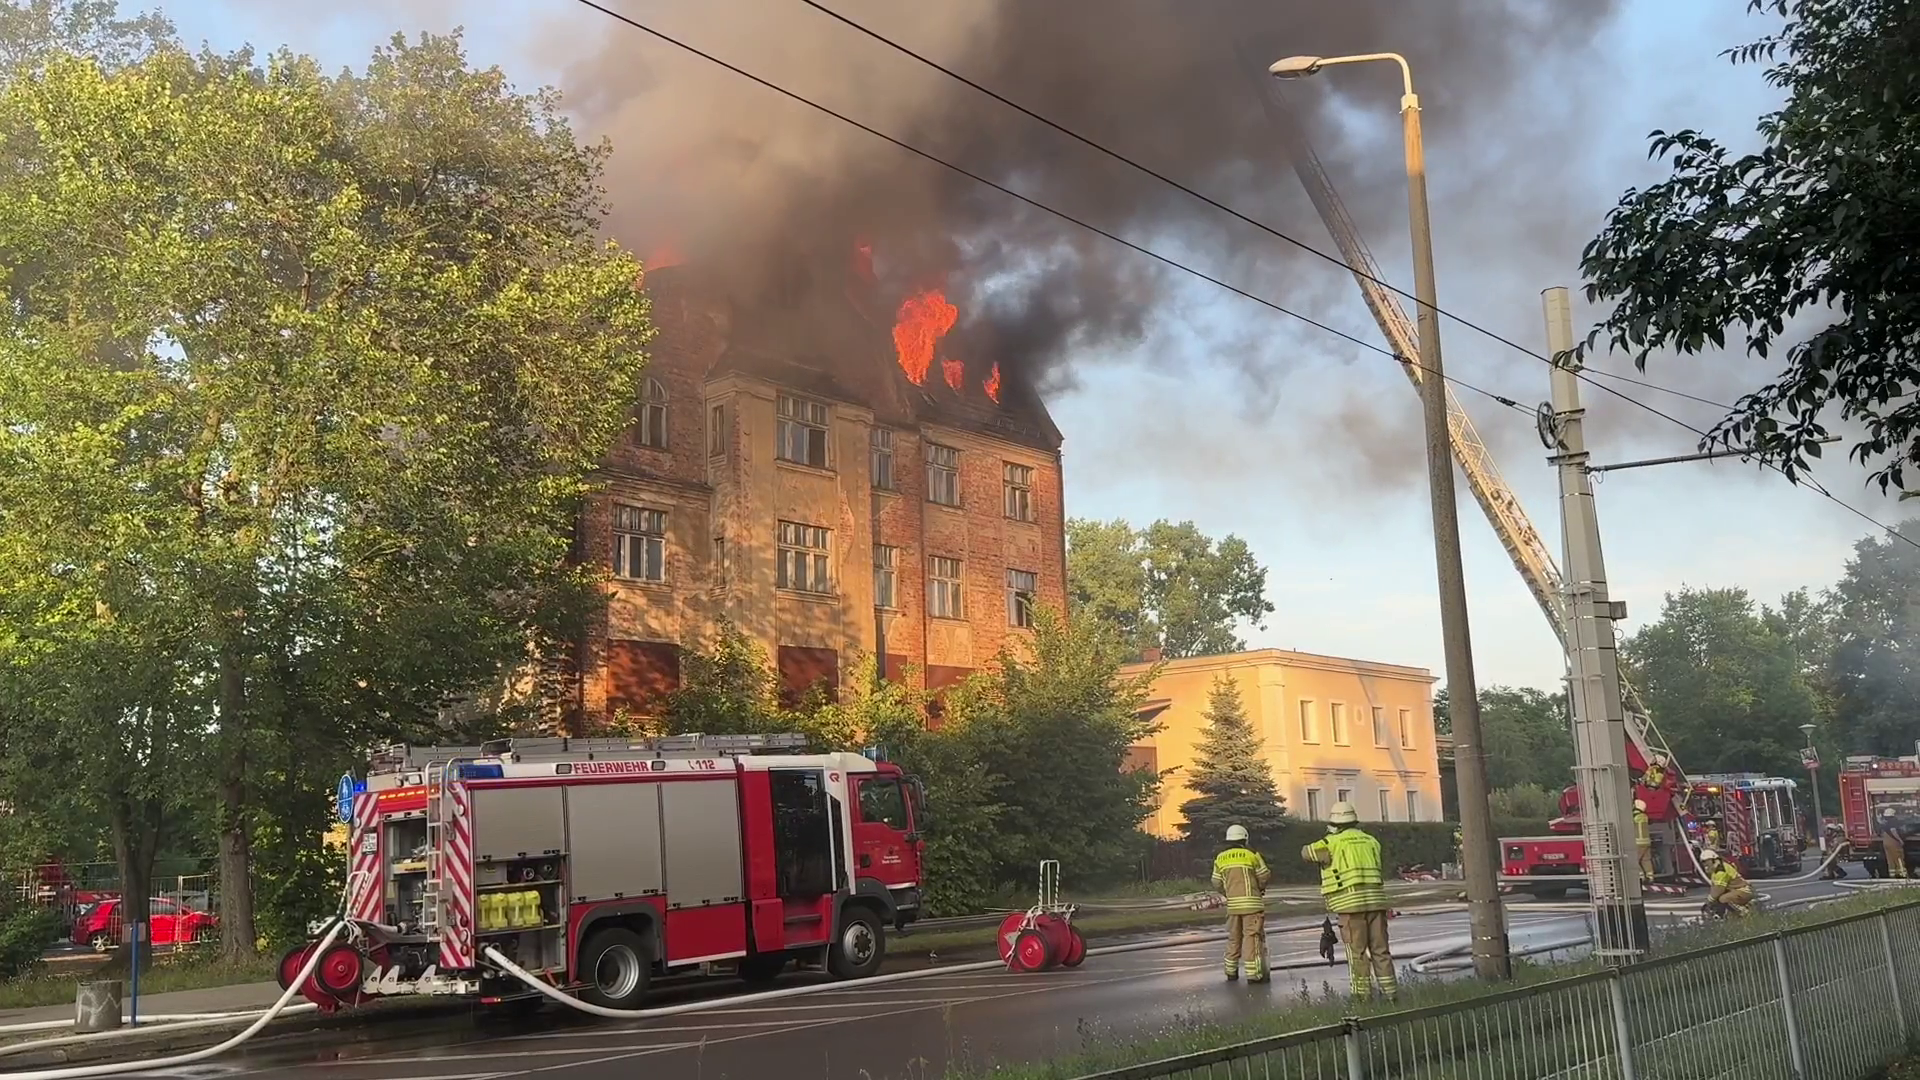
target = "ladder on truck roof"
x: 407, y: 758
x: 1509, y: 520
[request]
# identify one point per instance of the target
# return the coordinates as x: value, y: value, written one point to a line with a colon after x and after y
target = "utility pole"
x: 1599, y: 721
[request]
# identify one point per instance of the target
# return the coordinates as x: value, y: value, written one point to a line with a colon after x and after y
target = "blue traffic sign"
x: 343, y: 800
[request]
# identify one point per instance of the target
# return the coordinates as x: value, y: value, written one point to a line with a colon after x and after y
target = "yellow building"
x: 1333, y: 730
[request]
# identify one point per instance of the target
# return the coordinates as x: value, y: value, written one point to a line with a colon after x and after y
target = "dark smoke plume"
x: 774, y: 196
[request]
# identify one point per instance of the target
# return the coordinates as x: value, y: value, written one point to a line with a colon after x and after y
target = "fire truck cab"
x: 1751, y: 819
x: 599, y: 864
x: 1874, y: 790
x: 1548, y: 865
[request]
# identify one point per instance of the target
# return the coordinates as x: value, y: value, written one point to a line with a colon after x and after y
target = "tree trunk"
x: 136, y: 842
x: 237, y: 936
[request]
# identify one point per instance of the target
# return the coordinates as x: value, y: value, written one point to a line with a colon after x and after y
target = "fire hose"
x: 340, y: 926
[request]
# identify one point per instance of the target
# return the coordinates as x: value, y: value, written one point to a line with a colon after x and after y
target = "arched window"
x: 653, y: 416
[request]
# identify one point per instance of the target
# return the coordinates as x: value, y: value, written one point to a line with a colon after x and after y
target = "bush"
x: 1526, y: 802
x: 26, y: 933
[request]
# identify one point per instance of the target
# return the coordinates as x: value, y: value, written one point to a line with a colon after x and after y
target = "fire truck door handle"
x: 866, y: 861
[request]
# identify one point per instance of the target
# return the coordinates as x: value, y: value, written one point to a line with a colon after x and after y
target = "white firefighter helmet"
x: 1236, y: 834
x: 1640, y: 805
x: 1343, y: 813
x: 1708, y: 855
x: 1886, y: 811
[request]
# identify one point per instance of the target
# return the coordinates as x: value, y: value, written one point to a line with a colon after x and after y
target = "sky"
x: 1317, y: 461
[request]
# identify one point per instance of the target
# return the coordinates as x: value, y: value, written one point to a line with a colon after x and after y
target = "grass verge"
x: 187, y: 972
x: 1103, y: 1050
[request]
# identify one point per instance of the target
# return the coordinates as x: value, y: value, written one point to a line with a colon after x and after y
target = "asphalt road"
x: 901, y: 1031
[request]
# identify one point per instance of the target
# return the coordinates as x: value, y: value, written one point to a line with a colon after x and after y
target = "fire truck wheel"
x: 861, y: 946
x: 616, y: 965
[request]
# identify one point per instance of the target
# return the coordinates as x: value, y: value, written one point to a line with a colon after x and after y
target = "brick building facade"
x: 781, y: 472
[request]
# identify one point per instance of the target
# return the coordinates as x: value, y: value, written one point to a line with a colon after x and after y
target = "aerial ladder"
x: 1510, y: 523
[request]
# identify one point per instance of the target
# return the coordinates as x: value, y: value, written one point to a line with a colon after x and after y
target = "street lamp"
x: 1812, y: 758
x: 1478, y: 853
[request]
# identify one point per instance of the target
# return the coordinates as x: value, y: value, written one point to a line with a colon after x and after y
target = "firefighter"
x: 1893, y: 844
x: 1643, y: 839
x: 1837, y: 852
x: 1728, y: 890
x: 1355, y: 889
x: 1241, y: 875
x: 1656, y: 773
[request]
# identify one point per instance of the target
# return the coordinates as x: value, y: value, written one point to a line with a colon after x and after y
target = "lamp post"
x: 1478, y: 854
x: 1812, y: 758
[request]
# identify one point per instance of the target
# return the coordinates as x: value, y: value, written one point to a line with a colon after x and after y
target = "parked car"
x: 102, y: 926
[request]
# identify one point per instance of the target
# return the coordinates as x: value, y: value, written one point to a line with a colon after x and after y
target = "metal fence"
x: 1834, y: 1001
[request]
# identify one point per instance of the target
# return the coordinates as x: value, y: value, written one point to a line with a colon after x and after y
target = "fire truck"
x: 1872, y: 790
x: 1751, y: 819
x: 601, y: 864
x: 1548, y: 865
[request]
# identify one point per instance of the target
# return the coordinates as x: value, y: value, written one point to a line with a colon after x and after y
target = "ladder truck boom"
x: 1509, y: 520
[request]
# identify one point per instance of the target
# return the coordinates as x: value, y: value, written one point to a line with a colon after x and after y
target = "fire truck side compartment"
x: 702, y: 822
x: 509, y: 823
x: 613, y: 838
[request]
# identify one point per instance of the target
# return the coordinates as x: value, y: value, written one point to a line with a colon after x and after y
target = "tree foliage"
x: 1528, y: 735
x: 301, y: 379
x: 1816, y: 223
x: 1231, y: 781
x: 1874, y: 670
x: 1167, y: 586
x: 1724, y: 681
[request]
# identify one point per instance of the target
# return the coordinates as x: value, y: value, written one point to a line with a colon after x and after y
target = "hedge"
x: 1402, y: 843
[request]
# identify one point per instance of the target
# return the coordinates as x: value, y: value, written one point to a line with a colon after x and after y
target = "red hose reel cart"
x: 1043, y: 936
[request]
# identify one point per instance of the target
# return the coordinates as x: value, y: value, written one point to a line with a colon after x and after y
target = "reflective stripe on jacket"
x: 1641, y: 833
x: 1350, y: 876
x: 1241, y: 876
x: 1727, y: 877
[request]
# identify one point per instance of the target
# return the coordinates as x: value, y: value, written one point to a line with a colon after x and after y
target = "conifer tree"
x: 1230, y: 779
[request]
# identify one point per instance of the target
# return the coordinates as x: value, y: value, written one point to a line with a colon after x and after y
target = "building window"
x: 943, y: 588
x: 885, y: 568
x: 1337, y: 717
x: 1380, y: 732
x: 1413, y: 806
x: 943, y: 475
x: 1309, y: 730
x: 1019, y: 483
x: 1021, y: 585
x: 639, y: 543
x: 1343, y: 795
x: 801, y: 432
x: 803, y: 565
x: 1406, y: 729
x: 653, y: 415
x: 717, y: 431
x: 1386, y: 805
x: 1313, y: 804
x: 722, y: 561
x: 880, y: 441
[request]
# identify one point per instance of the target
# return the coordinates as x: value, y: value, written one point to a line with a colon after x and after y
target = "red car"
x: 102, y: 926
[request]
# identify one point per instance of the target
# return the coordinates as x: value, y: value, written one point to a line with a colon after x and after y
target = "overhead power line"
x: 1038, y: 205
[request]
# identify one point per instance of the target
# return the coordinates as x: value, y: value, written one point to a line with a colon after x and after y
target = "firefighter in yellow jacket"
x: 1241, y: 875
x: 1352, y: 881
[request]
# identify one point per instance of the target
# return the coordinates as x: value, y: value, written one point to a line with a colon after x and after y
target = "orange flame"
x: 664, y: 255
x: 955, y: 372
x: 993, y: 384
x: 924, y: 319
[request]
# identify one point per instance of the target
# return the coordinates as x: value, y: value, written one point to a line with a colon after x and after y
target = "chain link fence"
x: 1833, y: 1001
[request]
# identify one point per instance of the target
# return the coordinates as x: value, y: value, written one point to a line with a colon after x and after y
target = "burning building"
x: 833, y: 467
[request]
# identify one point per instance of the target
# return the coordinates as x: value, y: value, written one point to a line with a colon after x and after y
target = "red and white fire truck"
x: 1872, y: 791
x: 598, y: 864
x: 1751, y: 819
x: 1548, y: 865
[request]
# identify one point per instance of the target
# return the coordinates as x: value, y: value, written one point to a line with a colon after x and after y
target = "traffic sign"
x: 1809, y: 757
x: 343, y: 797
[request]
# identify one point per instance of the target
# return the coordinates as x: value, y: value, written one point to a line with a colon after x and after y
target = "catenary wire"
x: 1038, y: 205
x: 1166, y: 260
x: 1342, y: 263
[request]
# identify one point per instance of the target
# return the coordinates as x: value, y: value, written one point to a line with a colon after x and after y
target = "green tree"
x: 1231, y: 781
x: 1528, y: 735
x: 1816, y: 223
x: 1873, y: 670
x: 1724, y: 682
x: 34, y: 31
x: 1166, y: 586
x: 1525, y: 802
x: 317, y: 366
x: 726, y: 688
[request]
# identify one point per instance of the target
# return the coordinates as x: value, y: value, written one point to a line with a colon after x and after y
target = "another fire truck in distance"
x: 1870, y: 788
x: 598, y: 864
x: 1751, y: 819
